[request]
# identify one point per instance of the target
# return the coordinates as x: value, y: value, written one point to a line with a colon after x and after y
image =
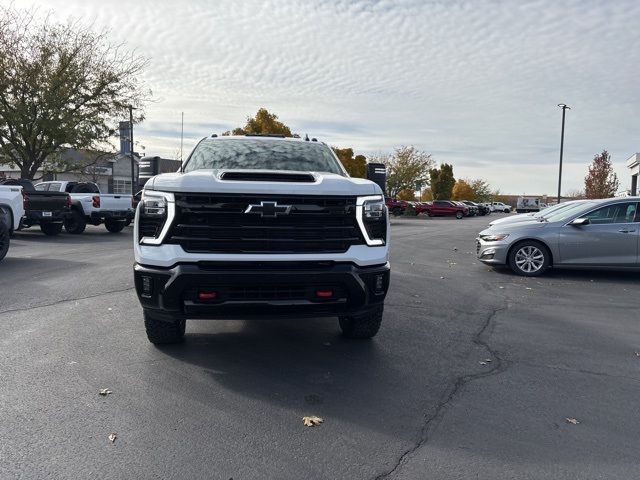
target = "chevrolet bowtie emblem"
x: 269, y: 209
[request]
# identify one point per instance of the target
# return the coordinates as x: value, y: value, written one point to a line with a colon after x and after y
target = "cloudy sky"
x: 475, y: 83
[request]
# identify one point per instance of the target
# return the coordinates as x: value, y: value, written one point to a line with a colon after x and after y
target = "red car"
x: 442, y: 208
x: 396, y: 207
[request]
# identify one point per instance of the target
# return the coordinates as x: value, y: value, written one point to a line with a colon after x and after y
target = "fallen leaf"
x: 488, y: 360
x: 109, y: 308
x: 637, y: 354
x: 572, y: 421
x: 483, y: 363
x: 312, y: 421
x: 105, y: 391
x: 500, y: 287
x: 441, y: 278
x: 112, y: 437
x: 529, y: 288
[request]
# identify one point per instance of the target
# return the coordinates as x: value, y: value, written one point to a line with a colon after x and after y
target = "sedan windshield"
x: 567, y: 213
x: 254, y: 154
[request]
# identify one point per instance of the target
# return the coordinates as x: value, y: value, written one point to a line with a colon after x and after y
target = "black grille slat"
x: 217, y: 224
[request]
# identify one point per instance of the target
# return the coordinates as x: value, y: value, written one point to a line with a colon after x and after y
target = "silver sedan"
x: 594, y: 233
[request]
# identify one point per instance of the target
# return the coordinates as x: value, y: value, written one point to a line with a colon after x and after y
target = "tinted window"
x: 54, y: 187
x: 616, y: 213
x: 568, y: 212
x: 42, y: 187
x: 252, y: 154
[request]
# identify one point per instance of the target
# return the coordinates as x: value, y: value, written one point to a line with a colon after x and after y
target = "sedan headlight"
x: 496, y: 237
x: 371, y: 213
x: 155, y: 214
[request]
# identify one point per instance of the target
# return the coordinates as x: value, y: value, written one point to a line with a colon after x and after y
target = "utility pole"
x: 564, y: 109
x: 133, y: 178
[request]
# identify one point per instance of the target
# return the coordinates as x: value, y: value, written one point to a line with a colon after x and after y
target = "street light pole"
x: 564, y: 109
x: 133, y: 182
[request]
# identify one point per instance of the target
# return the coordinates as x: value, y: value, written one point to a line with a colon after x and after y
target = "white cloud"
x: 475, y: 82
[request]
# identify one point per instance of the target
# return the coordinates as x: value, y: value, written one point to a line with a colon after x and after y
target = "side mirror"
x: 579, y: 222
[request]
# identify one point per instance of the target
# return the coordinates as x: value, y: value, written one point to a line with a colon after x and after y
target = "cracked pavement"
x: 415, y: 402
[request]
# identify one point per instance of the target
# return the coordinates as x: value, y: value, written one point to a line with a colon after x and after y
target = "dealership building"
x: 633, y: 163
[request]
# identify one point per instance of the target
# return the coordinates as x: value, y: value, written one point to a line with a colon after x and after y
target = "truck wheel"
x: 4, y: 240
x: 51, y: 229
x: 161, y: 332
x: 362, y: 326
x: 396, y: 211
x: 114, y: 226
x: 75, y: 223
x: 459, y: 214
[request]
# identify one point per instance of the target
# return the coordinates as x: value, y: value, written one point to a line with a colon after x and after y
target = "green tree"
x: 263, y: 123
x: 61, y: 85
x: 355, y: 166
x: 481, y: 190
x: 442, y: 182
x: 407, y: 168
x: 462, y: 191
x: 601, y: 181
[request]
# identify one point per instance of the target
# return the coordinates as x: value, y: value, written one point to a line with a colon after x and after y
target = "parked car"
x: 500, y: 207
x: 442, y: 208
x: 525, y: 217
x: 396, y: 207
x: 474, y: 208
x: 422, y: 207
x: 88, y: 205
x: 47, y: 209
x: 593, y: 233
x: 11, y: 212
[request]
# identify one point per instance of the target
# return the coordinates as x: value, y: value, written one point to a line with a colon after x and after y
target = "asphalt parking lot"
x: 472, y: 375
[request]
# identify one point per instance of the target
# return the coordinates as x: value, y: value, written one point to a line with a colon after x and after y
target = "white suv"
x: 258, y: 226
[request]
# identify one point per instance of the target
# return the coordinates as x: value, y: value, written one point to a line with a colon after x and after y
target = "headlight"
x: 155, y: 214
x: 495, y: 237
x: 371, y: 213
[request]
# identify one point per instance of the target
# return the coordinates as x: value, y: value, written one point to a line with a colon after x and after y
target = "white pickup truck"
x: 11, y: 211
x: 89, y: 206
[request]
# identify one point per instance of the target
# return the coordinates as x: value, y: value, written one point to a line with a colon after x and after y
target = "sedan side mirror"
x: 579, y: 222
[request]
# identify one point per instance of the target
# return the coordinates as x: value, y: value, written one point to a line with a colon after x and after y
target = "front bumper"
x: 492, y: 253
x: 261, y: 289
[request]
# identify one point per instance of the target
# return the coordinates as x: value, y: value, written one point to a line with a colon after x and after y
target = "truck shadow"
x: 306, y: 366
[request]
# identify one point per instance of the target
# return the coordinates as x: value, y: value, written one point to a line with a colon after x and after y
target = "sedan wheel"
x: 529, y: 259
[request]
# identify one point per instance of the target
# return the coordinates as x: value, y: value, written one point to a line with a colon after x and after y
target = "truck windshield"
x: 252, y: 154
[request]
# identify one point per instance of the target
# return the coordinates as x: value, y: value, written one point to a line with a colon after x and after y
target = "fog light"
x: 378, y: 285
x: 147, y: 286
x: 324, y: 293
x: 205, y: 296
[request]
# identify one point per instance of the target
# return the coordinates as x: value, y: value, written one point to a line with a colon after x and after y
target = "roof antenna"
x: 306, y: 137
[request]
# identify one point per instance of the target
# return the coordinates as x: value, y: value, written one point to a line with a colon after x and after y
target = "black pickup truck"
x: 47, y: 209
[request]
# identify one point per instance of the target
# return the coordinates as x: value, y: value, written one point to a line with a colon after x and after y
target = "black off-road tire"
x: 51, y: 229
x: 396, y: 211
x: 4, y: 240
x: 114, y: 226
x: 160, y: 331
x: 362, y: 326
x: 75, y: 223
x: 459, y: 214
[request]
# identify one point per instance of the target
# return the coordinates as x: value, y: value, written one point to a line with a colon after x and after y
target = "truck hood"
x: 213, y: 181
